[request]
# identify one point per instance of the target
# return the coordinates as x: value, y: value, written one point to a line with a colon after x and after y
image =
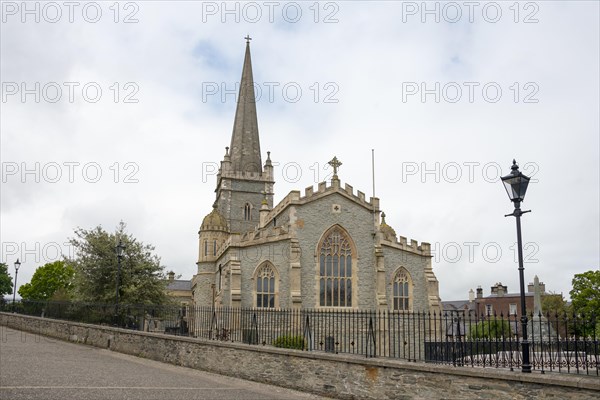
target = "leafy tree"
x: 558, y: 311
x: 6, y: 283
x: 585, y: 295
x: 49, y: 280
x: 142, y: 279
x: 585, y: 298
x: 491, y: 329
x: 554, y: 304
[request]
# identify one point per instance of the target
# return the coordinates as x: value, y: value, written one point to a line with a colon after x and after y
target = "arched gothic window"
x: 265, y: 286
x: 402, y: 290
x: 335, y: 270
x: 247, y: 212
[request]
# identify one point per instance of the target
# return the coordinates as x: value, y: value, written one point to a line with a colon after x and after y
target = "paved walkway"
x: 36, y: 367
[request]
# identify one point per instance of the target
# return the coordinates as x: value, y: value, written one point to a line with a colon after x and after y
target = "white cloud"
x: 175, y: 50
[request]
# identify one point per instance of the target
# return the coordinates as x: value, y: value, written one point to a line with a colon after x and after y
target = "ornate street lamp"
x: 17, y: 266
x: 516, y: 184
x: 120, y: 248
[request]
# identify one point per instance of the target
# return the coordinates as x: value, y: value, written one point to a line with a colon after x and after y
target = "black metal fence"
x: 558, y: 343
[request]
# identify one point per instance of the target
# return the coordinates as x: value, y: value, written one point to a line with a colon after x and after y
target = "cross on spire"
x: 335, y: 163
x: 248, y: 38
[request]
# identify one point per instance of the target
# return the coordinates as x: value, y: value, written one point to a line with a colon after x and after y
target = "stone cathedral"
x: 326, y: 248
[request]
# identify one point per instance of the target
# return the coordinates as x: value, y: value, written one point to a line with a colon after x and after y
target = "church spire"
x: 245, y: 144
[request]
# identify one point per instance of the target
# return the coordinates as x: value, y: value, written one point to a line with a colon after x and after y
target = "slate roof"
x: 458, y: 305
x: 179, y: 284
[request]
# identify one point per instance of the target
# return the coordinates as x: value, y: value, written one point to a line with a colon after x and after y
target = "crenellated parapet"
x: 402, y: 243
x: 323, y: 189
x: 347, y: 191
x: 266, y: 233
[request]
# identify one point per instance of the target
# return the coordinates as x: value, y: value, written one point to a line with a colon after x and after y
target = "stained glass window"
x: 335, y: 270
x: 401, y: 291
x: 265, y: 287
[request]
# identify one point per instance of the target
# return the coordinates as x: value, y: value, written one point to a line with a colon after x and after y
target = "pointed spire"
x: 245, y: 144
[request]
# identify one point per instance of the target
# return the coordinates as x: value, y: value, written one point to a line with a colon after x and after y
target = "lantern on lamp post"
x: 516, y: 184
x: 17, y: 266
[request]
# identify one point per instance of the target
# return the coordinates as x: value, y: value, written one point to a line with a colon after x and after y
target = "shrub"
x: 492, y: 329
x: 289, y: 342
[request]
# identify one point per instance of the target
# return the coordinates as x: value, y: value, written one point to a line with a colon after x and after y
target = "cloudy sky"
x: 121, y: 112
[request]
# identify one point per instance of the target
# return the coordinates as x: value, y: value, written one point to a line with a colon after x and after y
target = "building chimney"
x: 471, y: 295
x: 499, y: 290
x: 171, y: 275
x: 530, y: 287
x: 479, y: 292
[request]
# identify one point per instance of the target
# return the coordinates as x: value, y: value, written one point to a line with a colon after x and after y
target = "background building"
x: 179, y: 290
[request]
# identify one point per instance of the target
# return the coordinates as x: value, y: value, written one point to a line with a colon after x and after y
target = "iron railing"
x: 558, y: 343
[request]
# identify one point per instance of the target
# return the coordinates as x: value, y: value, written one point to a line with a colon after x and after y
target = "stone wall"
x: 335, y: 375
x: 316, y: 217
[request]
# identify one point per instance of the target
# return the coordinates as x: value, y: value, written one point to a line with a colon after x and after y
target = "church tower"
x: 243, y: 182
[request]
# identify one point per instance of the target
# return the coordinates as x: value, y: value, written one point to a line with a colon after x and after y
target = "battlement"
x: 310, y: 194
x: 292, y: 196
x: 242, y: 239
x: 334, y: 185
x: 402, y: 242
x: 265, y: 233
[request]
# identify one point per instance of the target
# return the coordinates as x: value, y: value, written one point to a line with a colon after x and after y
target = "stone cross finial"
x: 335, y: 163
x: 248, y: 38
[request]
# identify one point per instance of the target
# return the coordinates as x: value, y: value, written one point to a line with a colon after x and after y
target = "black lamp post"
x: 17, y: 266
x: 515, y: 184
x: 120, y: 253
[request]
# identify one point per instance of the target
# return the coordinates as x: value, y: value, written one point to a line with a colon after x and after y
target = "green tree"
x: 559, y: 313
x: 142, y: 279
x: 491, y: 329
x: 6, y: 282
x: 585, y: 301
x: 553, y: 304
x: 50, y: 280
x: 585, y: 295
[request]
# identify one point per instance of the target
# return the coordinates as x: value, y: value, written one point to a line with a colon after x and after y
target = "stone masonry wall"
x: 338, y: 376
x: 313, y: 219
x: 277, y: 253
x: 415, y: 265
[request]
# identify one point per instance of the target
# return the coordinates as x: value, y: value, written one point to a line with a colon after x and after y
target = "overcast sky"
x: 121, y: 112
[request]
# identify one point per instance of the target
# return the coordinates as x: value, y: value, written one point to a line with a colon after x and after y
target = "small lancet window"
x: 247, y: 212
